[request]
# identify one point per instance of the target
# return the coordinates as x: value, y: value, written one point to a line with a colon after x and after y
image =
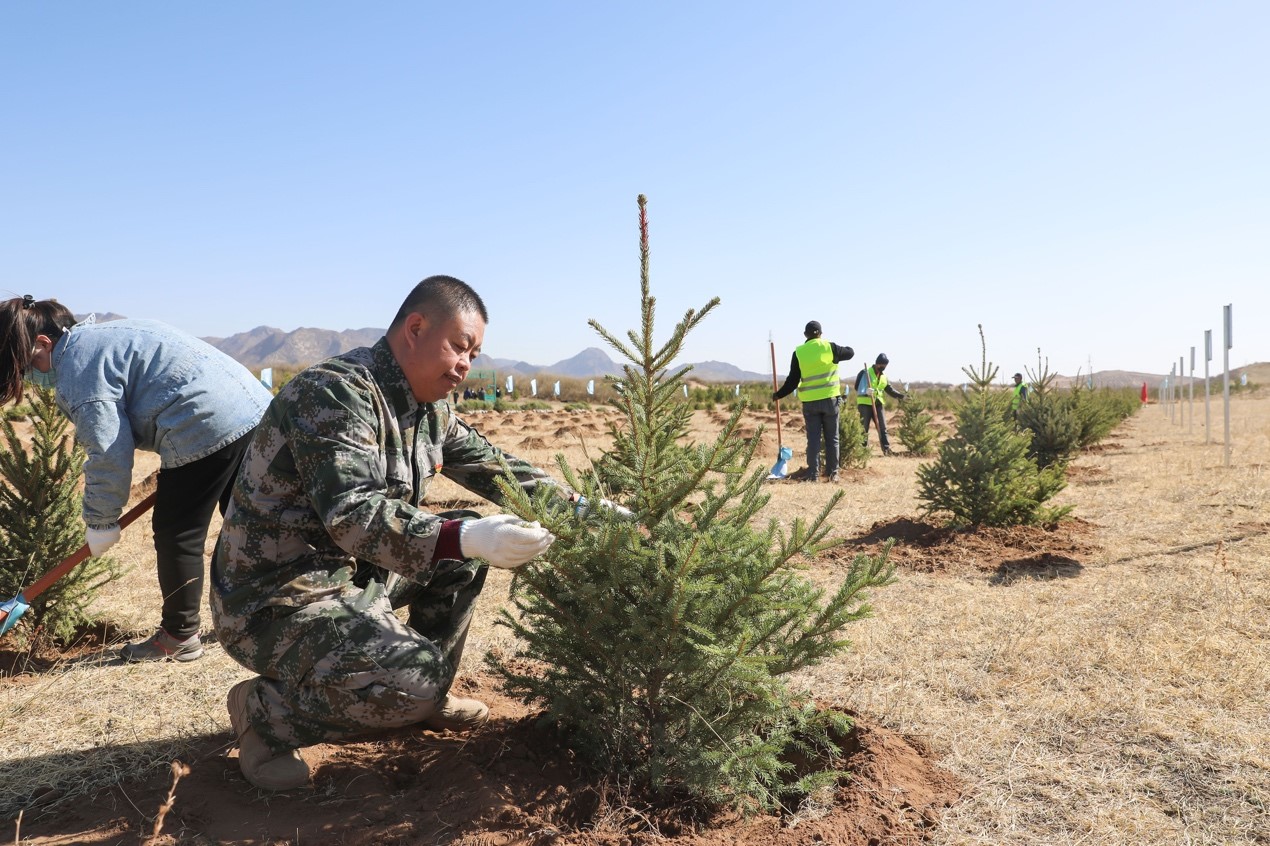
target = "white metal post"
x: 1181, y: 380
x: 1225, y: 379
x: 1173, y: 393
x: 1191, y: 399
x: 1208, y: 356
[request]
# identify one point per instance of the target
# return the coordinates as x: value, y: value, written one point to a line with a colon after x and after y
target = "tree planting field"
x: 1101, y: 681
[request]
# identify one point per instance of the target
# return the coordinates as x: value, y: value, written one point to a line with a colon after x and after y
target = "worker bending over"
x: 872, y: 387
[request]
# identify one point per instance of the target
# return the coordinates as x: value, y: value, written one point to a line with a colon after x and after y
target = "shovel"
x: 12, y: 610
x: 783, y: 453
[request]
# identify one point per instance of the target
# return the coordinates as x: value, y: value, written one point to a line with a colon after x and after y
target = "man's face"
x: 1017, y: 378
x: 879, y: 368
x: 436, y: 354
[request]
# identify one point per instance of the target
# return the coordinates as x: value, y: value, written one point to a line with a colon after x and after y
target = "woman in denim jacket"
x: 140, y: 384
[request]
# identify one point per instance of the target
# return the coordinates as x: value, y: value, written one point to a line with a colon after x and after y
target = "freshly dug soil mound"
x: 1058, y: 550
x: 510, y: 782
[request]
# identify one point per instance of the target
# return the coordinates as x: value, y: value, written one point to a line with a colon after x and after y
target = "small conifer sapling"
x: 663, y: 644
x: 983, y: 475
x: 40, y: 522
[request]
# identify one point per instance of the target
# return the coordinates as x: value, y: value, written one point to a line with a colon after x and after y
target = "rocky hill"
x: 266, y: 346
x: 591, y: 363
x: 721, y: 371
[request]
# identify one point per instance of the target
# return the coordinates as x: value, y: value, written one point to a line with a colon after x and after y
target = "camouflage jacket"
x: 336, y: 476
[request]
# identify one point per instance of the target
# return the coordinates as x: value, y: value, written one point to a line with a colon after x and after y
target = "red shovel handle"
x: 779, y: 441
x: 83, y: 553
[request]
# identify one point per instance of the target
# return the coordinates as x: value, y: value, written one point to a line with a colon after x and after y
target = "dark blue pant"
x: 866, y: 417
x: 821, y: 417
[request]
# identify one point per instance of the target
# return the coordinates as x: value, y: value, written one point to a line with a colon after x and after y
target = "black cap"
x: 882, y: 359
x: 813, y: 328
x: 1018, y: 376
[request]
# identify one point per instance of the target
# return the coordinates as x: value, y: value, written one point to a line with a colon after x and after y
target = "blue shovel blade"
x: 13, y: 611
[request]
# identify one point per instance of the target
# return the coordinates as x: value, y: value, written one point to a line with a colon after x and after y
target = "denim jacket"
x: 141, y: 384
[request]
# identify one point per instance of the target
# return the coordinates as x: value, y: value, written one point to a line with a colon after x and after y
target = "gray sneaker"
x: 161, y: 646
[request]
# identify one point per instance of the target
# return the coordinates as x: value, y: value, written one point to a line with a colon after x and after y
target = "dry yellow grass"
x: 1126, y: 705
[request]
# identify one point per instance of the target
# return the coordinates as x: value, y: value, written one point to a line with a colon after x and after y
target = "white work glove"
x: 101, y: 540
x: 620, y: 510
x: 503, y: 540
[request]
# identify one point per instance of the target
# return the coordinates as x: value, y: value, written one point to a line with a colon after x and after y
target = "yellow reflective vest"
x: 1019, y: 390
x: 878, y: 382
x: 818, y: 370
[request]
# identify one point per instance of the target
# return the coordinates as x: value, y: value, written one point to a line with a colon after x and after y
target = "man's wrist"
x: 448, y: 546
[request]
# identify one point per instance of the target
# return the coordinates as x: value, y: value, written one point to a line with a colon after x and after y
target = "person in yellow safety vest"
x: 813, y: 370
x: 1020, y: 394
x: 871, y: 387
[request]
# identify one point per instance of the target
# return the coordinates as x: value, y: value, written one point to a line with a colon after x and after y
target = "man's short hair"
x: 441, y: 297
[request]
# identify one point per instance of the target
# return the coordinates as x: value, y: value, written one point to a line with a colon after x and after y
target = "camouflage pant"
x: 340, y: 668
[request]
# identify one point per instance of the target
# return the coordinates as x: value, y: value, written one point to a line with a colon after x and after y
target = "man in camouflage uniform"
x: 325, y: 536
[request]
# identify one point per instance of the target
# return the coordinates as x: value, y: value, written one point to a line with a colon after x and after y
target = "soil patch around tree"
x: 1058, y: 550
x: 511, y: 782
x: 24, y: 654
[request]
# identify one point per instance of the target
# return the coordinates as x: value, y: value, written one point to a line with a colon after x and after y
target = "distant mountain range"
x: 595, y: 363
x: 266, y: 346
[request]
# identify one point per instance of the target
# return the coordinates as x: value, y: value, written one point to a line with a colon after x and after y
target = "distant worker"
x: 872, y: 388
x: 813, y: 370
x: 1020, y: 394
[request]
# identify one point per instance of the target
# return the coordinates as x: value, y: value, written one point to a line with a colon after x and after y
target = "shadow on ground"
x: 510, y: 782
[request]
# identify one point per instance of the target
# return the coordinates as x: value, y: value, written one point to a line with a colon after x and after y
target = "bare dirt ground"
x: 1101, y: 681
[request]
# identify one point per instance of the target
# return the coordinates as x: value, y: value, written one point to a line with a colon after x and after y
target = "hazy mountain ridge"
x: 266, y: 346
x: 99, y: 317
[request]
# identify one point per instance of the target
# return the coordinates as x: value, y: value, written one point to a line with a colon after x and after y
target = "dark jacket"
x: 796, y: 373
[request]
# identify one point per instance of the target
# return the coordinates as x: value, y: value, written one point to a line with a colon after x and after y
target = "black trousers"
x: 866, y: 417
x: 821, y: 419
x: 184, y: 500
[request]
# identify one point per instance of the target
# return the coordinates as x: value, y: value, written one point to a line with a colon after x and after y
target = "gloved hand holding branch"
x: 503, y: 540
x: 583, y: 504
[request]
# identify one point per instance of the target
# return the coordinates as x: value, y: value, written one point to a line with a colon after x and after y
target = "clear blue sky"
x: 1088, y: 177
